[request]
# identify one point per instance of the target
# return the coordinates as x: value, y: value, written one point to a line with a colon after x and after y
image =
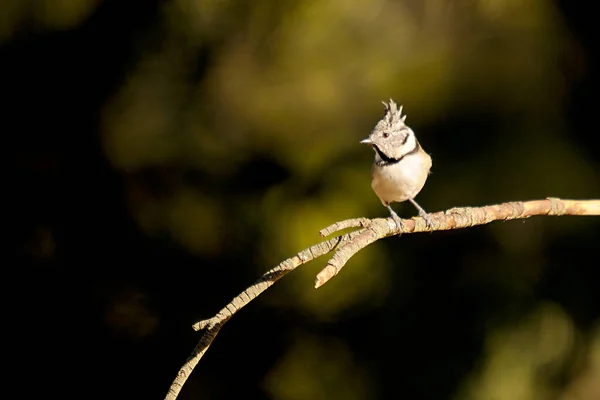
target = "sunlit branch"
x: 371, y: 230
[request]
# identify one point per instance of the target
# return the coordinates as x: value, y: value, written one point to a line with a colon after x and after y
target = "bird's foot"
x: 397, y: 220
x: 427, y: 218
x: 423, y: 214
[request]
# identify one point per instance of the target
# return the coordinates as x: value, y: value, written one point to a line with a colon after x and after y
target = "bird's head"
x: 391, y: 138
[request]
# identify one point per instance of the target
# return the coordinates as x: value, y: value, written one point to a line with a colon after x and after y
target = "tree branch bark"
x: 371, y: 230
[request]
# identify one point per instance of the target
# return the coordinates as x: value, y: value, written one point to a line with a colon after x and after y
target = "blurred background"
x: 164, y: 154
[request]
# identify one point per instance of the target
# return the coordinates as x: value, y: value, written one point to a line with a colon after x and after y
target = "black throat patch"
x: 385, y: 160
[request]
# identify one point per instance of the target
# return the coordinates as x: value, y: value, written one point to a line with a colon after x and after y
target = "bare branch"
x: 212, y: 325
x: 349, y: 223
x: 454, y: 218
x: 371, y: 230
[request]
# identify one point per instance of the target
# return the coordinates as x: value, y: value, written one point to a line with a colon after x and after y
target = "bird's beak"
x: 367, y: 141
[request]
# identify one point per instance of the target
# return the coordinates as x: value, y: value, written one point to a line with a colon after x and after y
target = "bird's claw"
x: 428, y: 220
x: 398, y: 222
x: 396, y: 219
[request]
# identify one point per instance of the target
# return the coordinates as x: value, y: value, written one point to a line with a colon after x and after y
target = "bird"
x: 401, y: 166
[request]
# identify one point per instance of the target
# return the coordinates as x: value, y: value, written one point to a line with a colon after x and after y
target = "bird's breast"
x: 403, y: 180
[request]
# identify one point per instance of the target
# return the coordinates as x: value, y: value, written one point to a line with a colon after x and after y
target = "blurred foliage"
x: 287, y: 82
x: 233, y: 127
x: 42, y: 14
x: 522, y: 360
x: 129, y: 314
x: 318, y: 368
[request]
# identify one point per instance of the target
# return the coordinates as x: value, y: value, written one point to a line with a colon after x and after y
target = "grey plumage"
x: 401, y: 166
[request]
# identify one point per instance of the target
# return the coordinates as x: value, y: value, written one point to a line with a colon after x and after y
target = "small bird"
x: 401, y: 166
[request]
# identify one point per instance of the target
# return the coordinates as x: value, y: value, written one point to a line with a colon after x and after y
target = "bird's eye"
x: 386, y: 134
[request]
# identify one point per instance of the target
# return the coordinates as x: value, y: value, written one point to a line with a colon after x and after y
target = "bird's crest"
x: 393, y: 115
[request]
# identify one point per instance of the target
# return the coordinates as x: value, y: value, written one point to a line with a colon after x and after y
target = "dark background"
x: 162, y: 155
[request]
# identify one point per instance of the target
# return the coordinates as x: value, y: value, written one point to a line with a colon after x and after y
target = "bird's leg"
x: 423, y: 214
x: 395, y: 217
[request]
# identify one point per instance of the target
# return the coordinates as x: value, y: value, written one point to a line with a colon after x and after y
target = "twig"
x: 371, y: 230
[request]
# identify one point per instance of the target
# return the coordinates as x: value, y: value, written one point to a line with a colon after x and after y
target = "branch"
x: 371, y: 230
